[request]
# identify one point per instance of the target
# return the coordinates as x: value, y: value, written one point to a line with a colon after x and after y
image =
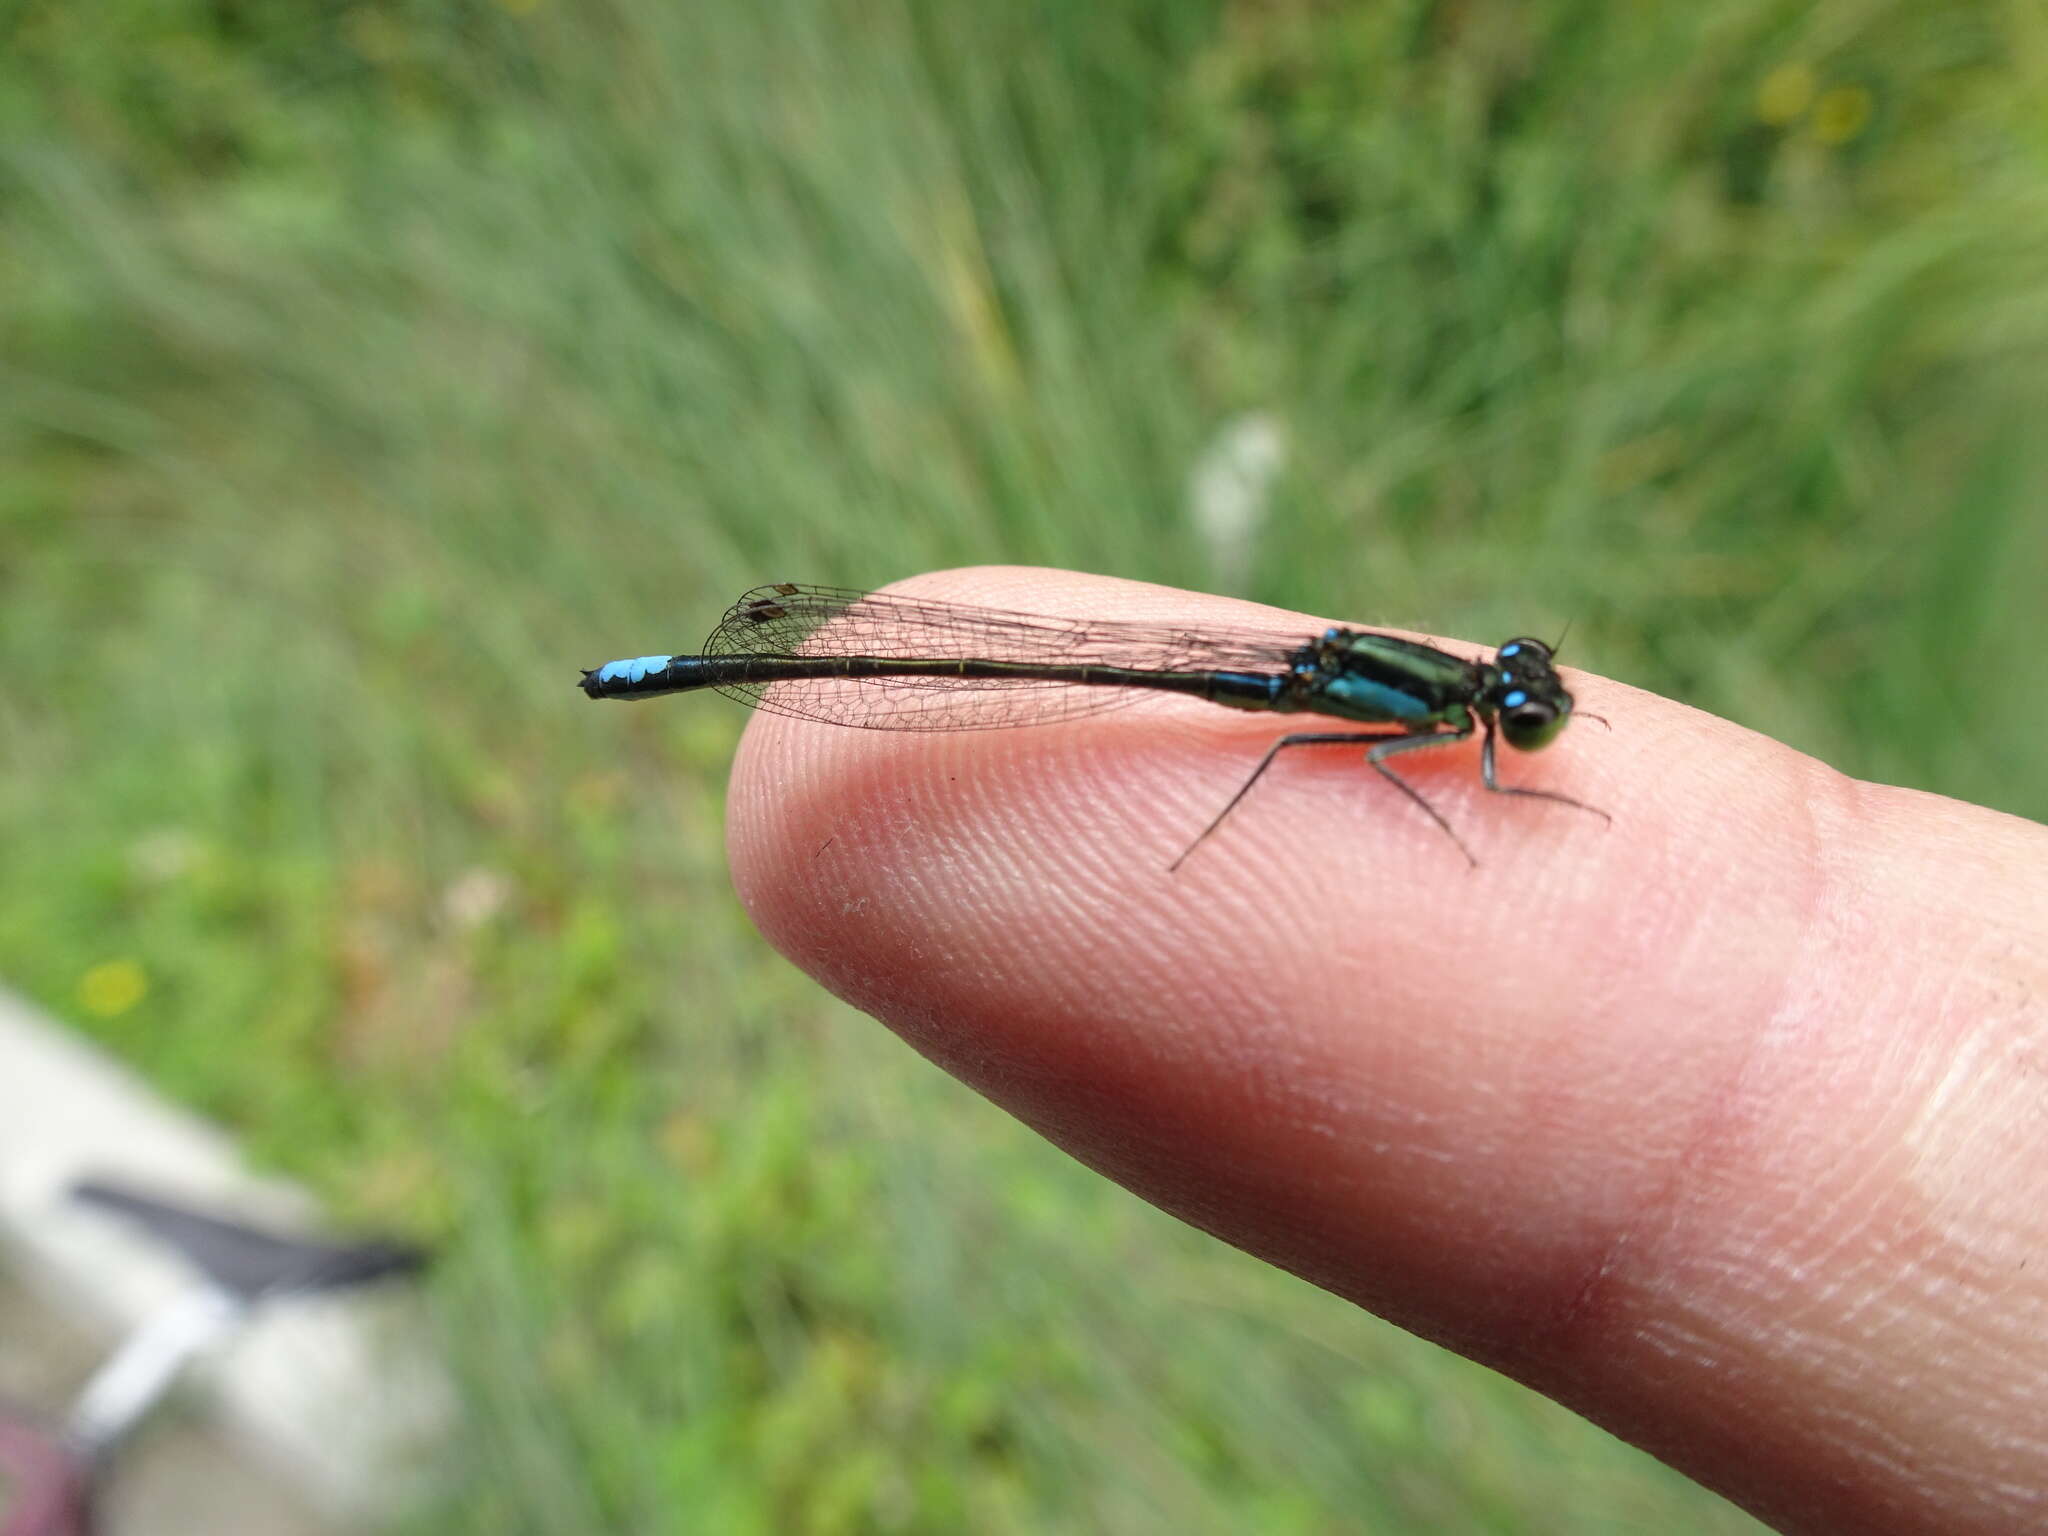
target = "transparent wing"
x: 789, y: 619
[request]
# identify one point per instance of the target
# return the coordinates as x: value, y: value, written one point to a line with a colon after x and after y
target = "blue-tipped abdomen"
x: 636, y: 677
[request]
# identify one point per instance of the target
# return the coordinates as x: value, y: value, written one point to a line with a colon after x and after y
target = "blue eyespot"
x: 1514, y: 700
x: 1511, y: 650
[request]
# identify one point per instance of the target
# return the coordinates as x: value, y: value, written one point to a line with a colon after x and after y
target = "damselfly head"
x: 1524, y: 693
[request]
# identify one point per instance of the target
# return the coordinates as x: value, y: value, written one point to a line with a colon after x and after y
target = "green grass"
x: 364, y: 370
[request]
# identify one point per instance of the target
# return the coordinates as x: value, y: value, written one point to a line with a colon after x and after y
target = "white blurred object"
x: 339, y: 1391
x: 474, y: 897
x: 1230, y: 491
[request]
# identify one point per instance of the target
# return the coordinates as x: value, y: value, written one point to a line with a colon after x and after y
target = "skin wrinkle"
x: 1787, y: 1483
x: 1816, y: 1343
x: 1560, y: 1335
x: 1724, y: 1131
x: 1840, y: 1351
x: 1992, y: 1061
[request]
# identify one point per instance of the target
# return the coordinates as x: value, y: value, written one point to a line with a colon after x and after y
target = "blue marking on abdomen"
x: 633, y: 670
x: 1375, y: 701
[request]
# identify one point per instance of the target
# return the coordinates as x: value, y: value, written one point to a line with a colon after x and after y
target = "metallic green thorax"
x: 1361, y: 675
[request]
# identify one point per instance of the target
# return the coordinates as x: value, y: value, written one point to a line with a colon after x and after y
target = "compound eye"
x: 1531, y: 725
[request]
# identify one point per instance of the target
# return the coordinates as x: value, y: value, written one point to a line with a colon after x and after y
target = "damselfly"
x: 896, y: 663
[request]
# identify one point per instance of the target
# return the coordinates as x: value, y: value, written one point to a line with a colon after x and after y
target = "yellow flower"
x: 1842, y: 113
x: 1785, y: 94
x: 112, y: 987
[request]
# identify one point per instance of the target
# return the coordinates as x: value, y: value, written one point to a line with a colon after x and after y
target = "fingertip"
x: 1620, y: 1110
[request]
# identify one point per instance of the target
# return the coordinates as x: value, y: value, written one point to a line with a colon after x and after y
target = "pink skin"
x: 1724, y: 1126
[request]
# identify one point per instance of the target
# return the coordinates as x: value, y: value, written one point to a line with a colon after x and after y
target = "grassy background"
x: 365, y: 368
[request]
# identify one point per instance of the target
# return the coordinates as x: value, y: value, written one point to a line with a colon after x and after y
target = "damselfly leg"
x: 1494, y: 784
x: 1385, y: 745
